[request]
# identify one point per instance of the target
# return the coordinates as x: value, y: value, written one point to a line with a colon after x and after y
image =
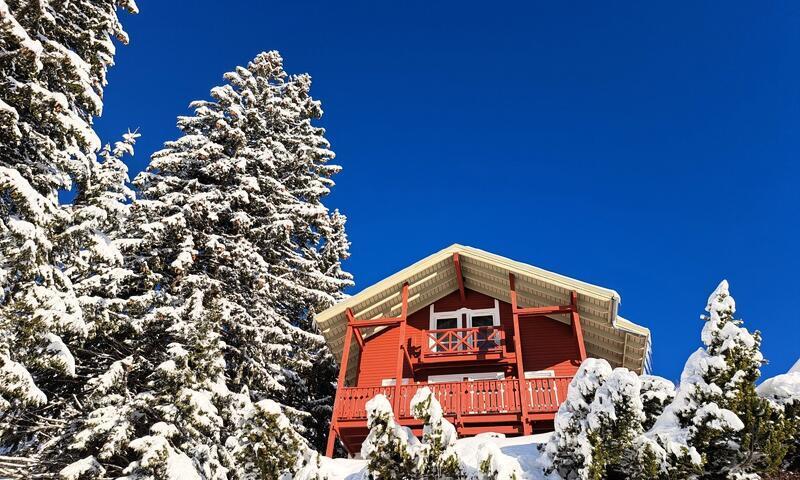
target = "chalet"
x: 496, y: 340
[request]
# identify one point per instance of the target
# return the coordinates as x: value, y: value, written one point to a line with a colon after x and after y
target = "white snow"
x: 60, y: 351
x: 783, y: 389
x: 517, y: 453
x: 156, y: 450
x: 796, y: 367
x: 81, y: 468
x: 16, y: 381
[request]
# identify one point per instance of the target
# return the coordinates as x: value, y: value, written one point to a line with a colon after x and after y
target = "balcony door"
x: 448, y: 335
x: 443, y: 341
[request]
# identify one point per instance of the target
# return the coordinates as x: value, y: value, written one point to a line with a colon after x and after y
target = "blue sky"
x: 648, y: 147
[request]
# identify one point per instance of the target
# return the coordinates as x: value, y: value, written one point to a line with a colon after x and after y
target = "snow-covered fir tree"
x: 389, y: 449
x: 53, y: 61
x: 89, y: 250
x: 437, y: 457
x: 783, y: 394
x: 569, y: 450
x: 615, y: 419
x: 717, y: 426
x: 232, y: 252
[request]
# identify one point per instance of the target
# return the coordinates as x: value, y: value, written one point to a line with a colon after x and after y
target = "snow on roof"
x: 606, y: 335
x: 796, y: 367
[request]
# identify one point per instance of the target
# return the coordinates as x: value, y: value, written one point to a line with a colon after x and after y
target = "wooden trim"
x: 359, y: 338
x: 339, y: 385
x: 576, y: 325
x: 460, y: 277
x: 400, y: 349
x: 526, y: 426
x: 378, y: 322
x: 548, y: 310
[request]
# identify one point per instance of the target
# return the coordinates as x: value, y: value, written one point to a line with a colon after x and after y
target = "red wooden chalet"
x: 496, y: 340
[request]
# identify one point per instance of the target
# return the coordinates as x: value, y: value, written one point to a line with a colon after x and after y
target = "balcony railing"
x: 462, y: 341
x: 479, y: 397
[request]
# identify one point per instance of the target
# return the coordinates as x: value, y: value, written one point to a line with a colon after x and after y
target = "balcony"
x: 460, y: 344
x: 463, y: 400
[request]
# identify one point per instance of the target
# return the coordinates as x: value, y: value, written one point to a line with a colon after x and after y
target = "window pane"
x: 482, y: 321
x: 443, y: 323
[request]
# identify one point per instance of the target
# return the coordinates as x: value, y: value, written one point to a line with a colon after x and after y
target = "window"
x: 391, y: 382
x: 465, y: 377
x: 483, y: 321
x: 540, y: 374
x: 446, y: 322
x: 469, y: 318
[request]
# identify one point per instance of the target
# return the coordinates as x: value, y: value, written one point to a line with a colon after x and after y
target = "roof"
x: 606, y: 334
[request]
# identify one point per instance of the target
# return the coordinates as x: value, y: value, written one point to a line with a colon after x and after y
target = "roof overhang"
x: 606, y: 334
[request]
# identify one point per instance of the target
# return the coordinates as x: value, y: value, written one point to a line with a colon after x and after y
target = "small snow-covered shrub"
x: 495, y: 465
x: 390, y: 449
x: 615, y: 419
x: 569, y: 451
x: 266, y: 446
x: 437, y: 457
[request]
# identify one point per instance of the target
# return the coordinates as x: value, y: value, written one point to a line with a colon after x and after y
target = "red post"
x: 460, y: 278
x: 340, y: 384
x: 526, y: 426
x: 576, y: 324
x: 398, y: 383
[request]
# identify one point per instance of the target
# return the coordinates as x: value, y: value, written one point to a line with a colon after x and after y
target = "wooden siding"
x: 378, y: 360
x: 546, y: 343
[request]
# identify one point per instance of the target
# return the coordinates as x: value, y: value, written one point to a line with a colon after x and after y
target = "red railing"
x: 353, y: 400
x: 545, y: 394
x: 462, y: 340
x: 478, y: 397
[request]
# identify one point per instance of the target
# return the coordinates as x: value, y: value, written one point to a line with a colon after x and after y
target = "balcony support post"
x: 526, y: 426
x: 398, y: 383
x: 332, y: 432
x: 576, y: 324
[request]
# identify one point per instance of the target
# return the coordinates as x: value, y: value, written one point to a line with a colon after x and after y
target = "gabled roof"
x: 606, y: 334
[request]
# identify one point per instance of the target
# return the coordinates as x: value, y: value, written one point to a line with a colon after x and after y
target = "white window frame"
x: 469, y: 313
x: 470, y: 377
x: 391, y: 382
x: 436, y: 316
x: 540, y: 374
x: 494, y: 312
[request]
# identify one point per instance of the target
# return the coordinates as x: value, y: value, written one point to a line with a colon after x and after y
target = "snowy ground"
x: 519, y: 450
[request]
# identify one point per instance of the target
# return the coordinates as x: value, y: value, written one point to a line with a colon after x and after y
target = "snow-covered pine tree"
x: 614, y: 421
x: 225, y: 245
x: 53, y: 61
x: 437, y: 456
x: 391, y: 451
x: 716, y: 425
x: 569, y: 450
x: 88, y: 247
x: 783, y: 448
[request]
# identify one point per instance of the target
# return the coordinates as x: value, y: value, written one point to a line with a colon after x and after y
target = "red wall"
x: 546, y: 344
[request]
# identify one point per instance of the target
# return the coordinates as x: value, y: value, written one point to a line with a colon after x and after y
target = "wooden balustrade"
x: 461, y: 399
x: 353, y: 400
x: 462, y: 341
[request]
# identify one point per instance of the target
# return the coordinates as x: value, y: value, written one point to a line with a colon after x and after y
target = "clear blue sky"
x: 648, y: 147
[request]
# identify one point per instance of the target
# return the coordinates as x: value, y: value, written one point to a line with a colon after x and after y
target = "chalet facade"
x: 496, y: 340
